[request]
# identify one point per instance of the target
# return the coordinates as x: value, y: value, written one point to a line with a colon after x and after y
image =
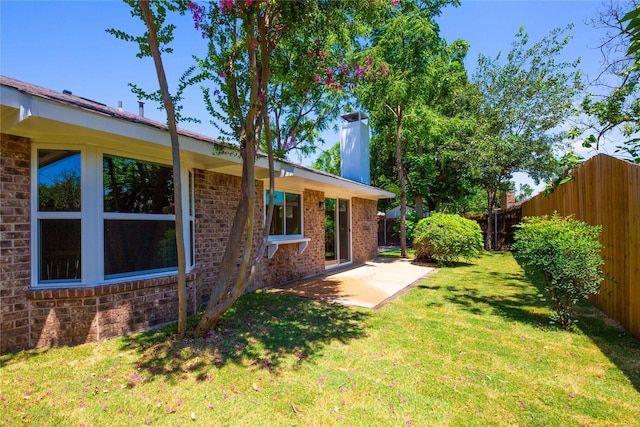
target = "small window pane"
x: 135, y: 186
x: 59, y: 249
x: 293, y: 214
x: 277, y: 222
x: 132, y: 246
x: 58, y: 181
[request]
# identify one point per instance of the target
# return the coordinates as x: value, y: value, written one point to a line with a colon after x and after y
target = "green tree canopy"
x: 525, y: 99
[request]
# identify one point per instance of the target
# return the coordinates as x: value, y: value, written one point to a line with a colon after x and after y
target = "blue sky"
x: 63, y: 45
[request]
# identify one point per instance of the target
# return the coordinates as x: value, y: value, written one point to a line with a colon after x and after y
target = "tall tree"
x: 524, y: 100
x: 255, y: 47
x: 613, y: 104
x: 155, y: 40
x: 407, y: 42
x: 439, y: 164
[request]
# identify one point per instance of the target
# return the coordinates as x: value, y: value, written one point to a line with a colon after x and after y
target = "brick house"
x: 87, y: 248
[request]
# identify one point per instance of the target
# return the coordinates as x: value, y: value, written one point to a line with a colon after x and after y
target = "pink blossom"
x: 223, y: 74
x: 317, y: 78
x: 395, y: 2
x: 226, y: 6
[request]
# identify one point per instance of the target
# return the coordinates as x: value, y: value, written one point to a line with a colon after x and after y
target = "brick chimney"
x: 507, y: 199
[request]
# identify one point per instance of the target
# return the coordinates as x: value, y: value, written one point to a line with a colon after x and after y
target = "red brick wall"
x: 364, y: 229
x: 216, y: 198
x: 49, y: 317
x: 67, y: 316
x: 15, y: 235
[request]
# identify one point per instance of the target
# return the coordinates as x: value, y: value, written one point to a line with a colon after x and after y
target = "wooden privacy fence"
x: 504, y: 220
x: 606, y: 191
x: 387, y: 236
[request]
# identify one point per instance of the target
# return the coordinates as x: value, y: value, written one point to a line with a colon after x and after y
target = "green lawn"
x: 469, y: 346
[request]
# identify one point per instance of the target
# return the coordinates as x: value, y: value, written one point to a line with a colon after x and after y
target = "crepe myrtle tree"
x: 251, y: 47
x: 261, y: 99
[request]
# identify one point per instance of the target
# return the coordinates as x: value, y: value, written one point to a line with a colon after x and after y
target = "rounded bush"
x: 566, y: 253
x: 446, y: 238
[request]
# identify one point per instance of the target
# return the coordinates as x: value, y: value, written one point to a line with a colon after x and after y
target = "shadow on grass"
x: 262, y: 329
x: 620, y: 347
x: 21, y: 356
x: 506, y: 294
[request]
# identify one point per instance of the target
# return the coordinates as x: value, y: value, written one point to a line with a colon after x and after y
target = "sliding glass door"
x: 337, y: 232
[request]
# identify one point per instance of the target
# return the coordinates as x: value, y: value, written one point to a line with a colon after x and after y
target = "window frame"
x: 284, y: 237
x: 38, y: 215
x: 92, y: 216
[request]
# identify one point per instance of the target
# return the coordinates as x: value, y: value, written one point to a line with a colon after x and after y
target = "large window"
x: 58, y: 216
x: 287, y: 214
x: 102, y: 217
x: 139, y: 225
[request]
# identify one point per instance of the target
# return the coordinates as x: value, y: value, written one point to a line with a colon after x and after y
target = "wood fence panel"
x: 606, y: 191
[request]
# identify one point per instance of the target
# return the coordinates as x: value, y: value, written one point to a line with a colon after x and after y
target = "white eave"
x: 55, y: 121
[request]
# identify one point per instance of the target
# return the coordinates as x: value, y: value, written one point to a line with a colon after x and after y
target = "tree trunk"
x: 177, y: 174
x: 491, y: 202
x: 226, y: 293
x: 221, y: 298
x: 403, y: 185
x: 418, y: 206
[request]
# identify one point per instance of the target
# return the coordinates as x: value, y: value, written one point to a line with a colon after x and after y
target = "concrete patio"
x: 369, y: 285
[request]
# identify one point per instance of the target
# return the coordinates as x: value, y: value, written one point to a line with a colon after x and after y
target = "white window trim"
x: 278, y: 237
x: 92, y: 216
x: 275, y: 240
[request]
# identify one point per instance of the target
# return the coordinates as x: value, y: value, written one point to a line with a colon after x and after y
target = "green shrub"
x: 445, y: 238
x: 566, y: 253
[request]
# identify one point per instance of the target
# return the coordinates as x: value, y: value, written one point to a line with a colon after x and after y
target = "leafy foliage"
x: 566, y: 252
x: 445, y: 238
x: 407, y: 43
x: 329, y: 161
x: 565, y: 166
x: 632, y: 18
x: 613, y: 104
x: 525, y: 99
x: 411, y: 222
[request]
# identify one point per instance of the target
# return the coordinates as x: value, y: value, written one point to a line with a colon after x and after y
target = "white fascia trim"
x: 287, y: 169
x: 33, y: 106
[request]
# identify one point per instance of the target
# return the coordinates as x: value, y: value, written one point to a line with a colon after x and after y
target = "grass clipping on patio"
x: 469, y: 346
